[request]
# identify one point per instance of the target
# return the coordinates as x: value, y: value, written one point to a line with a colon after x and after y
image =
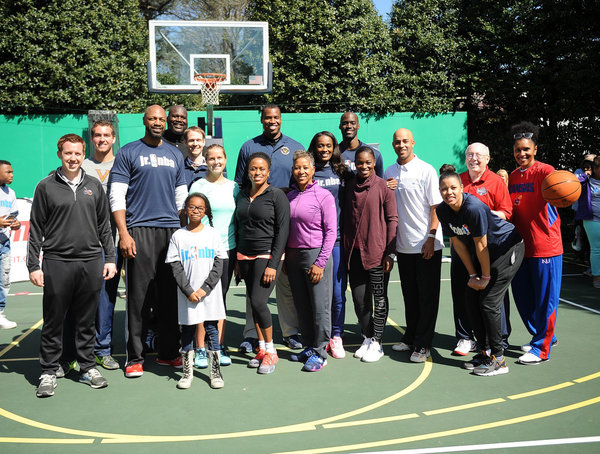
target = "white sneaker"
x: 401, y: 347
x: 420, y: 356
x: 526, y: 348
x: 363, y: 348
x: 6, y: 323
x: 464, y: 347
x: 529, y: 359
x: 373, y: 353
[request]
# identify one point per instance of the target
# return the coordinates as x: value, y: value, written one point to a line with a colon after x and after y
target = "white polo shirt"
x: 417, y: 192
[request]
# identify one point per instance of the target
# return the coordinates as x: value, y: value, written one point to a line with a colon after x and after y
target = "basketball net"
x: 210, y: 86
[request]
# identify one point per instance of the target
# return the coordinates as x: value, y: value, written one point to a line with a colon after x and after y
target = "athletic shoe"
x: 464, y: 347
x: 373, y: 353
x: 588, y: 272
x: 257, y: 360
x: 93, y: 378
x: 225, y: 359
x: 134, y: 370
x: 529, y: 359
x: 476, y: 361
x: 336, y: 347
x: 108, y: 362
x: 420, y: 356
x: 64, y: 368
x: 268, y: 363
x: 6, y: 323
x: 401, y: 347
x: 303, y: 356
x: 314, y: 364
x: 177, y: 362
x: 248, y: 345
x: 201, y: 359
x: 490, y: 367
x: 363, y: 348
x: 46, y: 386
x: 527, y: 347
x: 293, y: 342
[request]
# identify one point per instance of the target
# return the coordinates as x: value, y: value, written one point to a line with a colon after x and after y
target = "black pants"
x: 150, y: 285
x: 420, y: 280
x: 312, y: 301
x: 462, y: 324
x: 369, y: 293
x: 228, y: 268
x: 252, y: 271
x: 74, y: 288
x: 484, y: 306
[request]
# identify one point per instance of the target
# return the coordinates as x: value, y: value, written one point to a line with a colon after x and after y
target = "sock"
x: 270, y: 348
x: 261, y: 344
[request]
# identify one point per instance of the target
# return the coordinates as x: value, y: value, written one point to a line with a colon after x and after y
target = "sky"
x: 383, y: 6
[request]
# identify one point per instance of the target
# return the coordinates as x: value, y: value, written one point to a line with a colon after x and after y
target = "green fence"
x: 29, y: 142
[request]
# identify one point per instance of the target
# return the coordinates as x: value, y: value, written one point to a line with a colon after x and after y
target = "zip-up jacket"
x: 262, y: 226
x: 69, y: 225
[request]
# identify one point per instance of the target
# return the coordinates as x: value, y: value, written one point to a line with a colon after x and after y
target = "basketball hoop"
x: 210, y: 85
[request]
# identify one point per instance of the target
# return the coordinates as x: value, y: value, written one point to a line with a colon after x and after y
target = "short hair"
x: 214, y: 146
x: 261, y: 155
x: 365, y: 149
x: 73, y: 138
x: 195, y: 129
x: 299, y: 154
x: 106, y: 123
x: 478, y: 144
x: 269, y: 106
x: 523, y: 127
x: 208, y: 211
x: 5, y: 163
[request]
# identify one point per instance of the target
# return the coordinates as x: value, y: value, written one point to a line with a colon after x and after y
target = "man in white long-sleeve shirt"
x: 147, y: 190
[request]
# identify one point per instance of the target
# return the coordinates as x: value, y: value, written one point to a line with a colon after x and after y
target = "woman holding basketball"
x: 536, y: 286
x: 262, y: 218
x: 491, y: 250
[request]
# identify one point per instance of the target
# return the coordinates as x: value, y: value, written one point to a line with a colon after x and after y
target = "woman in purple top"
x: 313, y: 231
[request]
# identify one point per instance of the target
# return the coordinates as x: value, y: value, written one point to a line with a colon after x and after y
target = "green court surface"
x: 349, y: 406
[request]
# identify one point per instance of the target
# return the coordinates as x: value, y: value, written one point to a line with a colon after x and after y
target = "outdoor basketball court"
x: 391, y: 405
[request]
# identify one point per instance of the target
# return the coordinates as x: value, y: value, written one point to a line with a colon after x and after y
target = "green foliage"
x: 326, y: 55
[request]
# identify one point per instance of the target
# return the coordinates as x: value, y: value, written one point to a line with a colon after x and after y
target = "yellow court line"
x: 451, y: 432
x: 587, y: 377
x: 49, y: 441
x: 21, y: 337
x: 370, y: 421
x: 535, y: 392
x: 464, y: 407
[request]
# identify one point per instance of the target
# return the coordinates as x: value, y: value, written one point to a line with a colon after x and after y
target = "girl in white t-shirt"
x: 196, y: 255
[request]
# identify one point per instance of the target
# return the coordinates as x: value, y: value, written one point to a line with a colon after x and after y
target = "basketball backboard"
x: 179, y: 50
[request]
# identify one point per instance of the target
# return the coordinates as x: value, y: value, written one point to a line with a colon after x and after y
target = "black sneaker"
x: 477, y: 361
x: 490, y: 367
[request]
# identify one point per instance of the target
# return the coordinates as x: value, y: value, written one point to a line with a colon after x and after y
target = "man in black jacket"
x: 70, y: 223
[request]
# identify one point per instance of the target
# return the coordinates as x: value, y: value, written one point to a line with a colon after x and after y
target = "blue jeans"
x: 340, y: 283
x: 188, y: 332
x: 106, y: 311
x: 4, y: 272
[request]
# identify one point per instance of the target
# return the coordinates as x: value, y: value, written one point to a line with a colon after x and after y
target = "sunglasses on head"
x: 523, y: 135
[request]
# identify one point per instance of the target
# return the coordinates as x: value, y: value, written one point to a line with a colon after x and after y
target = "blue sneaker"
x: 314, y: 364
x: 293, y: 342
x: 225, y: 358
x: 303, y: 356
x: 201, y: 359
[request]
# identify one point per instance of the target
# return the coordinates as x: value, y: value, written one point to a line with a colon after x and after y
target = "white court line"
x: 514, y: 444
x: 579, y: 306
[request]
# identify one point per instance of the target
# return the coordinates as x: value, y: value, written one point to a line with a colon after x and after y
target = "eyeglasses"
x: 476, y: 155
x: 193, y: 208
x: 523, y: 135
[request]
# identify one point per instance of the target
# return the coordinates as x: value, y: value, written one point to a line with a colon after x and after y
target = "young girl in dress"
x: 196, y: 255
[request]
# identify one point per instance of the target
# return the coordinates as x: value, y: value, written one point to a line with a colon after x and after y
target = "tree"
x: 326, y: 55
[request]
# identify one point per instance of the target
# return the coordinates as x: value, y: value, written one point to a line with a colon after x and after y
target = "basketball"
x: 561, y: 188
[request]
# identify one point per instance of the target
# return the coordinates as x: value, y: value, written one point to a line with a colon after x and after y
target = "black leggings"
x: 252, y: 271
x: 371, y: 312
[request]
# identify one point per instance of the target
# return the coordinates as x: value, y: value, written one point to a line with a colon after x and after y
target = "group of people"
x: 303, y: 222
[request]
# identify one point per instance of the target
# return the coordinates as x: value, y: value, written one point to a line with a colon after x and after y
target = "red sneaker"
x: 134, y: 370
x: 268, y: 363
x: 177, y: 362
x: 255, y: 362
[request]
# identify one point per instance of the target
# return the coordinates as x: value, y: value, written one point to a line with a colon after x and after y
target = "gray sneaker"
x: 46, y: 386
x: 93, y: 378
x: 108, y: 362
